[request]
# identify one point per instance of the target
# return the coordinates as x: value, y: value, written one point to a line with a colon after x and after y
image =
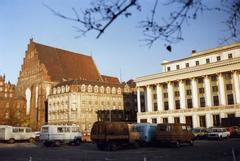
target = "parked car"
x: 147, y: 132
x: 200, y: 133
x: 60, y: 134
x: 114, y: 135
x: 12, y: 134
x: 218, y: 133
x: 174, y: 133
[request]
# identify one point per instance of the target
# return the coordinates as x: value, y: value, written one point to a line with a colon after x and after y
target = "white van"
x: 12, y: 134
x: 147, y: 132
x: 60, y: 134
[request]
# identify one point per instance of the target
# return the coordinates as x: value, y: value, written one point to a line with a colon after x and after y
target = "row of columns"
x: 195, y: 93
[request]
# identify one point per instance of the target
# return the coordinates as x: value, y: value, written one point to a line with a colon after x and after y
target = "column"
x: 222, y: 90
x: 195, y: 93
x: 139, y: 99
x: 195, y: 120
x: 149, y: 99
x: 209, y: 120
x: 208, y: 93
x: 159, y: 97
x: 182, y: 92
x: 236, y: 86
x: 170, y: 119
x: 182, y: 119
x: 145, y: 99
x: 171, y: 102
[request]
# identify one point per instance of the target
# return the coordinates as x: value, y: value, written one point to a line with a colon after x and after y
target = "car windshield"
x: 196, y: 130
x: 44, y: 129
x: 217, y: 130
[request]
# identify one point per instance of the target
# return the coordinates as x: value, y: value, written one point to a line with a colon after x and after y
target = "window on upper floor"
x: 165, y: 95
x: 215, y: 88
x: 168, y: 68
x: 188, y: 82
x: 200, y: 80
x: 229, y: 87
x: 177, y: 93
x: 197, y: 62
x: 230, y: 56
x: 189, y: 92
x: 201, y: 90
x: 187, y: 65
x: 214, y: 78
x: 177, y: 67
x: 207, y: 60
x: 218, y: 58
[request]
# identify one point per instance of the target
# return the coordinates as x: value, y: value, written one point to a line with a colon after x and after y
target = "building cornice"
x: 196, y: 71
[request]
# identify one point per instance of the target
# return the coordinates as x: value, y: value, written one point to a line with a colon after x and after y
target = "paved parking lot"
x: 203, y: 150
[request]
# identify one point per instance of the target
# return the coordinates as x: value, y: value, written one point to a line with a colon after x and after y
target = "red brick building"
x: 43, y: 67
x: 12, y: 107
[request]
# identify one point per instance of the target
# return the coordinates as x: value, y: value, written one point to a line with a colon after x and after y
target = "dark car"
x: 175, y: 134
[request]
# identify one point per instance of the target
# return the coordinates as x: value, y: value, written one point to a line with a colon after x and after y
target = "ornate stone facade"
x: 78, y: 101
x: 199, y: 90
x: 12, y: 107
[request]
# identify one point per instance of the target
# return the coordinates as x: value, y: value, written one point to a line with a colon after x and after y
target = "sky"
x: 118, y: 52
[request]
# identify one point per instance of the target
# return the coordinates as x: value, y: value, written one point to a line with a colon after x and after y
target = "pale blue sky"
x: 118, y: 48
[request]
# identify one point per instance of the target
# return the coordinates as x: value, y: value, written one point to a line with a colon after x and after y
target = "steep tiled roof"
x: 65, y: 65
x: 109, y: 79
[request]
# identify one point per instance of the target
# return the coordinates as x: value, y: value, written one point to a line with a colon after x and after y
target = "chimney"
x: 194, y: 51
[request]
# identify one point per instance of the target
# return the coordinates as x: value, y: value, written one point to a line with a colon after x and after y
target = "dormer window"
x: 230, y: 56
x: 197, y: 63
x: 218, y: 58
x: 207, y: 60
x: 168, y: 68
x: 177, y: 67
x: 187, y: 65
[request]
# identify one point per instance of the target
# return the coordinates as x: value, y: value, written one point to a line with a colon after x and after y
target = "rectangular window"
x: 176, y: 84
x: 231, y: 115
x: 187, y: 65
x: 177, y: 93
x: 202, y: 121
x: 143, y: 120
x: 165, y: 95
x: 230, y: 56
x: 202, y: 102
x: 154, y: 120
x: 228, y: 76
x: 168, y: 69
x: 201, y: 90
x: 216, y: 120
x: 197, y: 63
x: 189, y: 92
x: 215, y: 101
x: 214, y: 78
x: 166, y: 106
x: 177, y: 104
x: 229, y: 87
x: 218, y: 58
x: 188, y: 82
x: 188, y: 120
x: 165, y: 120
x: 176, y: 120
x: 154, y: 96
x: 207, y: 60
x: 230, y: 99
x: 177, y: 67
x: 189, y: 103
x: 215, y: 88
x: 155, y: 107
x: 200, y: 80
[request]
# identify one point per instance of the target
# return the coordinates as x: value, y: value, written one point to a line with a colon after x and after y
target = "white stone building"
x: 77, y: 101
x: 199, y: 90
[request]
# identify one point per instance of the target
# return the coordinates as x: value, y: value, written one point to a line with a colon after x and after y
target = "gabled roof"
x: 66, y: 65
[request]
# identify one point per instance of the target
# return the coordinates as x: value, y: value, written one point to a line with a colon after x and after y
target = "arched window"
x: 96, y: 89
x: 102, y: 89
x: 108, y: 90
x: 54, y: 90
x: 89, y: 88
x: 83, y: 88
x: 63, y: 89
x: 119, y: 91
x: 113, y: 90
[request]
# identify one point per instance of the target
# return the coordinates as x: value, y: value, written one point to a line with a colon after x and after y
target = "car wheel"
x: 177, y: 144
x: 11, y: 141
x: 77, y: 142
x: 31, y: 140
x: 57, y: 143
x: 112, y: 146
x: 191, y: 142
x: 220, y: 138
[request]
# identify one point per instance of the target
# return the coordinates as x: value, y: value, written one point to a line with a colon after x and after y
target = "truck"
x: 12, y: 134
x: 147, y: 132
x: 56, y: 135
x: 174, y: 133
x: 114, y: 135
